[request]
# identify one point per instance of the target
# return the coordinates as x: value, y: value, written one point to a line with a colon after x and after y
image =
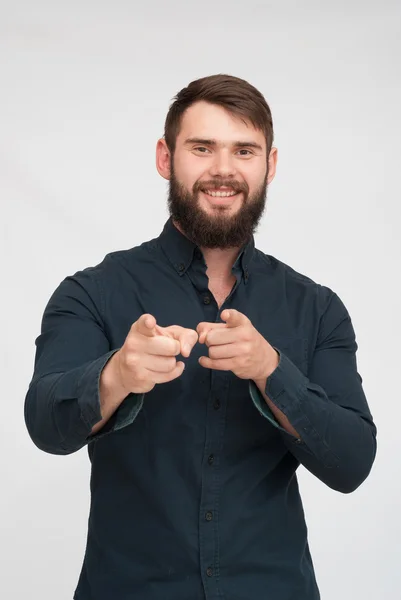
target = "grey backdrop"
x: 85, y: 87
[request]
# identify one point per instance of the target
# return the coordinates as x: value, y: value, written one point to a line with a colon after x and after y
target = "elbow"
x: 50, y: 446
x: 355, y: 470
x: 347, y: 485
x: 41, y: 427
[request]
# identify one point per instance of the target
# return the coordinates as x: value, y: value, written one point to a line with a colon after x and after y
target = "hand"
x: 148, y: 354
x: 237, y: 346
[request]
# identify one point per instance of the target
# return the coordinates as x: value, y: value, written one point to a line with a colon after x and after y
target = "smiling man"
x: 200, y: 373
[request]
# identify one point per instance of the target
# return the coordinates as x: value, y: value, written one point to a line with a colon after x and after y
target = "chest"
x: 221, y: 289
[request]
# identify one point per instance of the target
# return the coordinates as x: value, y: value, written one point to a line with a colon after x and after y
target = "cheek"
x: 188, y: 171
x: 247, y: 176
x: 257, y: 182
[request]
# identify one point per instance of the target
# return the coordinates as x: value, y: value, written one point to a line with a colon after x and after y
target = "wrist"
x: 272, y: 362
x: 111, y: 378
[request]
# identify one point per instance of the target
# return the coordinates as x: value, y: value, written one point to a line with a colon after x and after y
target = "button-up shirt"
x: 194, y: 494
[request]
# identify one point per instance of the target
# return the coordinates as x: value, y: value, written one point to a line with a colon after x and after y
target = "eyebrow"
x: 210, y: 142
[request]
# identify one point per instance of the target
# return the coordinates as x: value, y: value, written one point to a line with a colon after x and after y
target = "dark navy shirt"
x: 194, y: 492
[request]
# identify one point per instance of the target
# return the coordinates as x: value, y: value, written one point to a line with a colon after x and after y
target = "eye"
x: 201, y: 149
x: 245, y: 150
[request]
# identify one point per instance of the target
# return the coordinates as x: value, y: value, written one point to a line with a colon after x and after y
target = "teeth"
x: 220, y: 194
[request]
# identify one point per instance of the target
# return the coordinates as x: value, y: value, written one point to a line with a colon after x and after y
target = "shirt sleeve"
x: 328, y: 408
x: 63, y: 403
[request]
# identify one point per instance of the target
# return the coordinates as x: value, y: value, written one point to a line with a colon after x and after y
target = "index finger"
x: 162, y: 345
x: 204, y: 328
x: 146, y: 325
x: 217, y: 337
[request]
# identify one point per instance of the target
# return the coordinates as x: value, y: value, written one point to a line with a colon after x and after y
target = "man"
x: 193, y: 489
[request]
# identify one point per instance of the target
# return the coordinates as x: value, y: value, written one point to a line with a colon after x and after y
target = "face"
x: 218, y: 177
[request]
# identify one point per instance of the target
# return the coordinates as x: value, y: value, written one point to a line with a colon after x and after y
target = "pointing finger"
x: 204, y: 328
x: 146, y: 325
x: 234, y: 318
x: 188, y: 341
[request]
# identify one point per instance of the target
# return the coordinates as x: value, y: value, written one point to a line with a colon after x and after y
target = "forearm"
x: 72, y: 399
x: 62, y: 407
x: 336, y: 442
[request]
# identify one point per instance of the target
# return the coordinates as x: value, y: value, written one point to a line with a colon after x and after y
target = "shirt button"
x: 216, y: 404
x: 209, y: 572
x: 181, y: 267
x: 206, y: 300
x: 210, y: 460
x: 209, y: 516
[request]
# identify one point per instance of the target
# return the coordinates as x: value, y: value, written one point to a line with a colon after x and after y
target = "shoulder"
x: 296, y: 283
x: 121, y: 262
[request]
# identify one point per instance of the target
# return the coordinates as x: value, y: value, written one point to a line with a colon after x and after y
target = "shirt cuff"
x: 285, y: 387
x: 89, y: 401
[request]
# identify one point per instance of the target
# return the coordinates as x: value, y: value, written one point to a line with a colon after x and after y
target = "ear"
x: 163, y: 159
x: 272, y: 164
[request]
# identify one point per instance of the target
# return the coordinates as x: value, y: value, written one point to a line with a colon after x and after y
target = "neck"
x: 219, y: 261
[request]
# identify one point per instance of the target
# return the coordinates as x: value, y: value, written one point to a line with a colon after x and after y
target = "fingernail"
x: 187, y: 348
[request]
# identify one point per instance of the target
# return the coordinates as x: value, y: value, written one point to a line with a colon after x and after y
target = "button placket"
x: 211, y: 481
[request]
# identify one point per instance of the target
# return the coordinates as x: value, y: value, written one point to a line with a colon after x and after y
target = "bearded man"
x: 200, y: 373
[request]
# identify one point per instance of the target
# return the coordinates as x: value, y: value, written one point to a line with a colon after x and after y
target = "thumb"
x: 234, y: 318
x: 186, y: 337
x: 204, y: 328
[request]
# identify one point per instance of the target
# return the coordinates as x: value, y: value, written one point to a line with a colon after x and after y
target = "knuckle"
x: 247, y: 333
x: 245, y: 349
x: 169, y: 347
x: 170, y: 363
x: 213, y: 352
x: 165, y: 345
x: 132, y: 340
x: 133, y: 360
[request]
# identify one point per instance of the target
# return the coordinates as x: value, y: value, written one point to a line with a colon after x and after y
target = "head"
x: 217, y: 155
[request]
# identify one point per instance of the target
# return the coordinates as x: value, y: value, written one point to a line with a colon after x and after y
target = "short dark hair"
x: 236, y: 95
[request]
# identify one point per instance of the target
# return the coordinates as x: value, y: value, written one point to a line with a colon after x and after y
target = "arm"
x: 111, y: 393
x: 63, y: 403
x: 277, y: 413
x: 333, y: 434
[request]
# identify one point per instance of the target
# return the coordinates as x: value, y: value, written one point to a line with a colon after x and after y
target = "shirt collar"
x: 181, y: 251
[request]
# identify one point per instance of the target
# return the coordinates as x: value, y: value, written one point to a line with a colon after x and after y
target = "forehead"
x: 209, y: 121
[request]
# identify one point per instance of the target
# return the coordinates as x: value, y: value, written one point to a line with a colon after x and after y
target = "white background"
x: 84, y: 90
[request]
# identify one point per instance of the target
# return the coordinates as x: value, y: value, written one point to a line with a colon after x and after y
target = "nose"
x: 222, y: 165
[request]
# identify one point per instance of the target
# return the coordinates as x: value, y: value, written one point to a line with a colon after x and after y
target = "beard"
x: 220, y: 230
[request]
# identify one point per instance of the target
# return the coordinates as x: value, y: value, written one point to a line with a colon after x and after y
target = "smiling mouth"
x: 221, y: 193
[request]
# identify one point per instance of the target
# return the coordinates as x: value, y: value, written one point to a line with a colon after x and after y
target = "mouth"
x: 219, y: 192
x: 220, y: 195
